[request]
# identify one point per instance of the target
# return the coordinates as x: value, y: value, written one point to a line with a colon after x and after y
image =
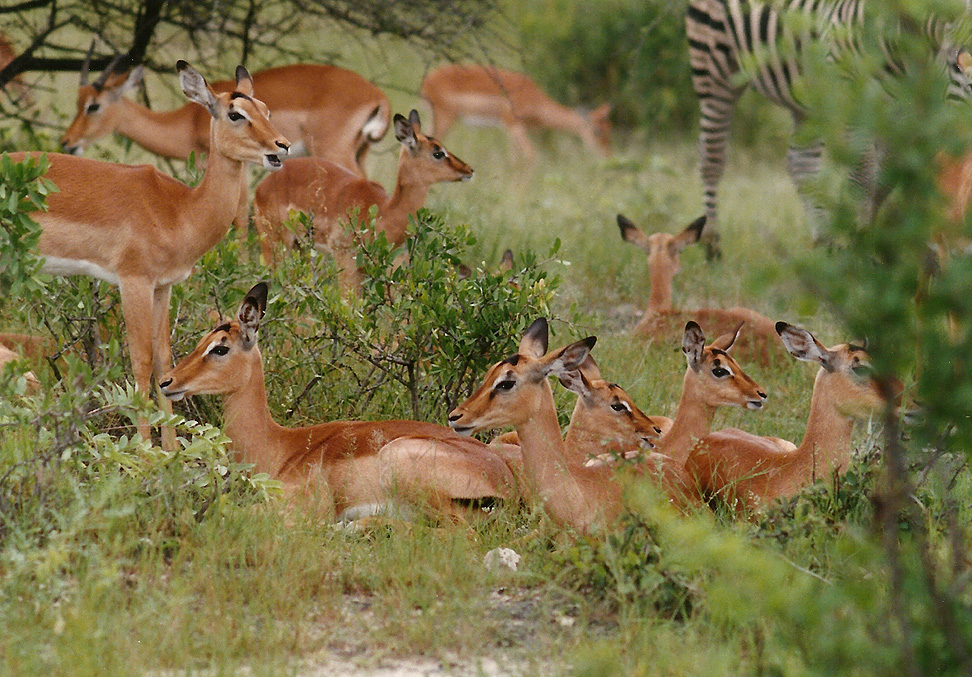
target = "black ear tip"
x: 242, y: 73
x: 692, y: 325
x: 781, y: 327
x: 413, y: 115
x: 182, y: 65
x: 624, y: 223
x: 698, y: 226
x: 399, y: 118
x: 589, y: 341
x: 260, y: 291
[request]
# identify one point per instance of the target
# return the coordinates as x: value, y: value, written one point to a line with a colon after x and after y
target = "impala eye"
x: 219, y: 350
x: 720, y: 372
x: 619, y: 406
x: 93, y: 108
x: 234, y: 116
x: 505, y: 385
x: 438, y: 154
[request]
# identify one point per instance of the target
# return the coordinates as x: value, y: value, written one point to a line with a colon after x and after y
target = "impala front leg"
x: 137, y: 297
x: 162, y: 355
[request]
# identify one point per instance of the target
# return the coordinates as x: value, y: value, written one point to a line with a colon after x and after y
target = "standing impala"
x: 326, y: 111
x: 140, y: 229
x: 484, y: 94
x: 661, y: 320
x: 750, y: 471
x: 331, y: 194
x: 356, y: 468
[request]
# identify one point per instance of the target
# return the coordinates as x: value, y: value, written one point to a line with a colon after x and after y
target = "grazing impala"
x: 140, y: 229
x: 749, y: 471
x: 356, y: 467
x: 326, y: 111
x: 332, y: 194
x: 483, y: 94
x: 515, y: 392
x: 661, y: 320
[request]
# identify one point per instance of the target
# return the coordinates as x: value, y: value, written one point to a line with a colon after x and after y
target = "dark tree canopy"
x: 47, y: 30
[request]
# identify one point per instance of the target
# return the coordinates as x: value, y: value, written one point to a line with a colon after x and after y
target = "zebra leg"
x: 713, y: 140
x: 804, y: 164
x: 867, y: 176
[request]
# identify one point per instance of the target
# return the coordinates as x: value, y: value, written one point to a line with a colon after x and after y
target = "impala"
x: 516, y: 392
x: 7, y: 355
x: 142, y: 230
x: 7, y: 54
x: 333, y: 195
x: 326, y: 111
x: 355, y: 468
x: 750, y: 471
x: 484, y: 94
x: 661, y: 319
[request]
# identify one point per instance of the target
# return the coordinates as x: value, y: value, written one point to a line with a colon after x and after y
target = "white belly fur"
x: 54, y: 265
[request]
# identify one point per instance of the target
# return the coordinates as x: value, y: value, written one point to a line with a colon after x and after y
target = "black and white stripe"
x: 762, y: 40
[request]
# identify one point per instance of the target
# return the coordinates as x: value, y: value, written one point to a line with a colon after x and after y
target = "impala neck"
x: 584, y: 437
x: 171, y: 134
x: 247, y: 421
x: 692, y: 420
x: 660, y: 298
x: 827, y: 442
x: 214, y: 202
x: 547, y: 463
x: 411, y: 189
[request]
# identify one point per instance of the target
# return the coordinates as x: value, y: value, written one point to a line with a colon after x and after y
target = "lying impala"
x: 661, y: 320
x: 515, y: 392
x: 142, y: 230
x: 483, y: 94
x: 331, y: 194
x: 355, y: 467
x: 326, y: 111
x: 750, y: 471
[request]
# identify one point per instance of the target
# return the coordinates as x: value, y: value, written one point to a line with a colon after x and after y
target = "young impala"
x: 355, y: 467
x: 488, y: 95
x: 333, y: 194
x: 750, y: 471
x: 326, y: 111
x: 142, y: 230
x: 661, y: 320
x: 515, y: 392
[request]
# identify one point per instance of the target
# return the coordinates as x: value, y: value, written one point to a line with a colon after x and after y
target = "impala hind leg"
x: 137, y: 298
x: 162, y: 355
x: 521, y: 141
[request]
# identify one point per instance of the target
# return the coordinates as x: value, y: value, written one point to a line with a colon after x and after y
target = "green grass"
x: 277, y: 594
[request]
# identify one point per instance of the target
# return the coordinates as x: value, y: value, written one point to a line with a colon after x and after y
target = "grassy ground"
x: 278, y: 594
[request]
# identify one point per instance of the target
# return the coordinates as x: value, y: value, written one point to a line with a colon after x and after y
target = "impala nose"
x: 454, y: 416
x: 761, y: 394
x: 166, y: 383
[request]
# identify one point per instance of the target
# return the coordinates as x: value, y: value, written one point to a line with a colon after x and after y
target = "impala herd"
x: 150, y: 237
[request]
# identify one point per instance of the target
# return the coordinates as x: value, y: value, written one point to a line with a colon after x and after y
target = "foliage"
x: 22, y: 190
x: 419, y: 336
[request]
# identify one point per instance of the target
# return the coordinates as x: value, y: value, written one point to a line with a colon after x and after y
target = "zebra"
x: 732, y: 37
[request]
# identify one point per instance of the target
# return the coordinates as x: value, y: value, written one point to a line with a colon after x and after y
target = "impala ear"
x: 632, y: 233
x: 726, y: 341
x: 569, y: 357
x: 405, y: 132
x: 690, y: 235
x: 195, y: 88
x: 415, y: 121
x: 534, y: 341
x: 803, y: 346
x: 506, y: 263
x: 251, y: 312
x: 693, y: 345
x: 575, y: 381
x: 244, y: 83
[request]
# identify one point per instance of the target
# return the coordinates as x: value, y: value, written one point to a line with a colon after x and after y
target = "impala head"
x: 429, y: 161
x: 513, y: 388
x: 845, y: 372
x: 606, y: 410
x: 717, y: 377
x: 600, y: 119
x: 226, y: 358
x: 663, y: 252
x: 98, y: 113
x: 241, y: 127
